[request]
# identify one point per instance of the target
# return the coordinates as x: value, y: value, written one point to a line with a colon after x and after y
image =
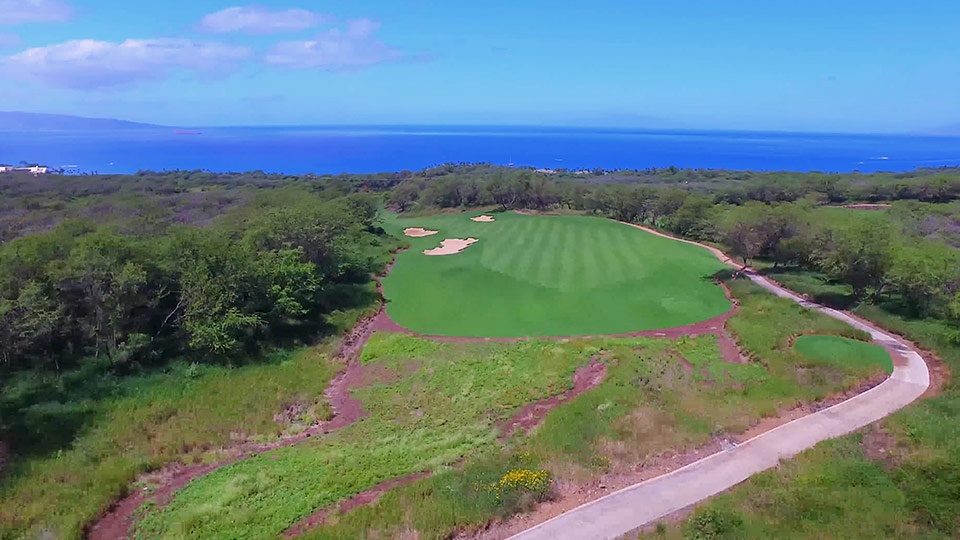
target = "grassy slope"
x: 842, y: 489
x: 442, y: 411
x: 154, y: 420
x: 441, y: 403
x: 548, y: 276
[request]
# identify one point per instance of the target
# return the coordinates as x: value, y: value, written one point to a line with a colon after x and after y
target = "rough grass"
x: 548, y: 276
x: 842, y: 489
x: 445, y: 413
x: 810, y: 497
x: 830, y: 348
x: 435, y: 416
x: 817, y: 286
x: 148, y: 422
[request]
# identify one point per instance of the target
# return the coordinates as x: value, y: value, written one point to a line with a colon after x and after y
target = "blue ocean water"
x: 378, y: 149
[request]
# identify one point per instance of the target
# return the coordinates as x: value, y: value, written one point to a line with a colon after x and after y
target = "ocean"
x: 324, y: 150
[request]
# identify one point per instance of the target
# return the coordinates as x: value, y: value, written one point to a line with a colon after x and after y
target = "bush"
x: 714, y: 523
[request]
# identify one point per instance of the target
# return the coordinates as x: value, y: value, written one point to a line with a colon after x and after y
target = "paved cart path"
x: 644, y: 503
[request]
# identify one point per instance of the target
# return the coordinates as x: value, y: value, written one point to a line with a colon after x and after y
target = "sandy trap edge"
x: 483, y: 219
x: 451, y: 246
x: 418, y: 232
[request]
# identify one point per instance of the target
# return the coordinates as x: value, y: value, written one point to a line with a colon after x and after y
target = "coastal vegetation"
x: 431, y: 405
x: 164, y: 317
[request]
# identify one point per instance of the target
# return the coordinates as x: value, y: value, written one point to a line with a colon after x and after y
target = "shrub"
x: 714, y: 523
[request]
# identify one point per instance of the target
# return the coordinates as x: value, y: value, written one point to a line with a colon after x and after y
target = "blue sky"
x: 838, y: 65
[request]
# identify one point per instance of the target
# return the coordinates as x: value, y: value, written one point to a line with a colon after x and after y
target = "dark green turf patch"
x: 831, y: 348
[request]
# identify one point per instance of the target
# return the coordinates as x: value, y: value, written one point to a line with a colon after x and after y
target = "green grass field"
x: 548, y: 276
x: 848, y: 488
x: 147, y: 422
x: 437, y: 404
x: 835, y: 348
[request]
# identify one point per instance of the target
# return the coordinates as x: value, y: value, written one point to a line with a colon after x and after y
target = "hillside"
x: 17, y: 121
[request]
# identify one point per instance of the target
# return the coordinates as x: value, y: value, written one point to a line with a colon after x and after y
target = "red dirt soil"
x: 118, y: 520
x: 585, y: 378
x: 363, y: 498
x: 571, y: 494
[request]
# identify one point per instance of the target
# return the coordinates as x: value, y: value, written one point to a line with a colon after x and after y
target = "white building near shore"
x: 35, y: 170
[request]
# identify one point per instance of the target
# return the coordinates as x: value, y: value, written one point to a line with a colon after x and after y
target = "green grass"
x: 840, y: 490
x: 437, y: 404
x: 443, y: 411
x: 147, y: 422
x: 647, y: 405
x: 548, y: 276
x: 831, y: 348
x: 844, y: 496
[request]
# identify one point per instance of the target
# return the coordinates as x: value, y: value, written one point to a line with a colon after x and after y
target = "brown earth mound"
x: 418, y: 232
x: 451, y: 246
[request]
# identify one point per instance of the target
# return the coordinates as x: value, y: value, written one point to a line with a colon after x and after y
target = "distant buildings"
x: 35, y: 170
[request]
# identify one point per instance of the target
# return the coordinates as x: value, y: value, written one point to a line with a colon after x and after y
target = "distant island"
x: 26, y: 121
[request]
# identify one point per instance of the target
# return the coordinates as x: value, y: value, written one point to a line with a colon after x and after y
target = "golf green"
x: 831, y: 348
x: 531, y: 276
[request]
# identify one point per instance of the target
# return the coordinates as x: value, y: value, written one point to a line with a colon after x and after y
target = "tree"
x: 927, y: 276
x: 860, y: 255
x: 404, y: 196
x: 741, y: 230
x: 694, y: 218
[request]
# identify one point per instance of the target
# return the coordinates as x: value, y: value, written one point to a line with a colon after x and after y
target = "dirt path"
x: 641, y: 504
x: 118, y: 520
x: 585, y: 378
x: 363, y: 498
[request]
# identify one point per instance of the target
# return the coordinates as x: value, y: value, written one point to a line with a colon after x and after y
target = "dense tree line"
x: 268, y: 271
x: 469, y: 186
x: 139, y: 268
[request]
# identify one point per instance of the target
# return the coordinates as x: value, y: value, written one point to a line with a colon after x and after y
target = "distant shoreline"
x: 374, y: 150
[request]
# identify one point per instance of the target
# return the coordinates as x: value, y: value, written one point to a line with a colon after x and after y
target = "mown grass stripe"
x: 550, y: 276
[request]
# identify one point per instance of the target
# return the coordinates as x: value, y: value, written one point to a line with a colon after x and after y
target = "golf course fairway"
x: 540, y: 276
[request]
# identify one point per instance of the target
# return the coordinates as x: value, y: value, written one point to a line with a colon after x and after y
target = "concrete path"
x: 629, y: 509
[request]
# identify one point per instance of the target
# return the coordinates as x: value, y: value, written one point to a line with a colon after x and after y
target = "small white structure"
x: 35, y: 170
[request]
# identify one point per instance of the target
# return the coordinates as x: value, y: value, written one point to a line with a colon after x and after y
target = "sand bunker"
x: 451, y: 246
x: 483, y: 219
x: 417, y: 232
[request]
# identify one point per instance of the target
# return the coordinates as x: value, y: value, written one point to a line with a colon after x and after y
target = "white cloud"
x: 88, y: 64
x: 355, y: 46
x: 9, y: 40
x: 26, y: 11
x: 260, y: 20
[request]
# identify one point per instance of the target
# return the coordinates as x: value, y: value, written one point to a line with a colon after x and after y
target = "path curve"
x: 642, y: 504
